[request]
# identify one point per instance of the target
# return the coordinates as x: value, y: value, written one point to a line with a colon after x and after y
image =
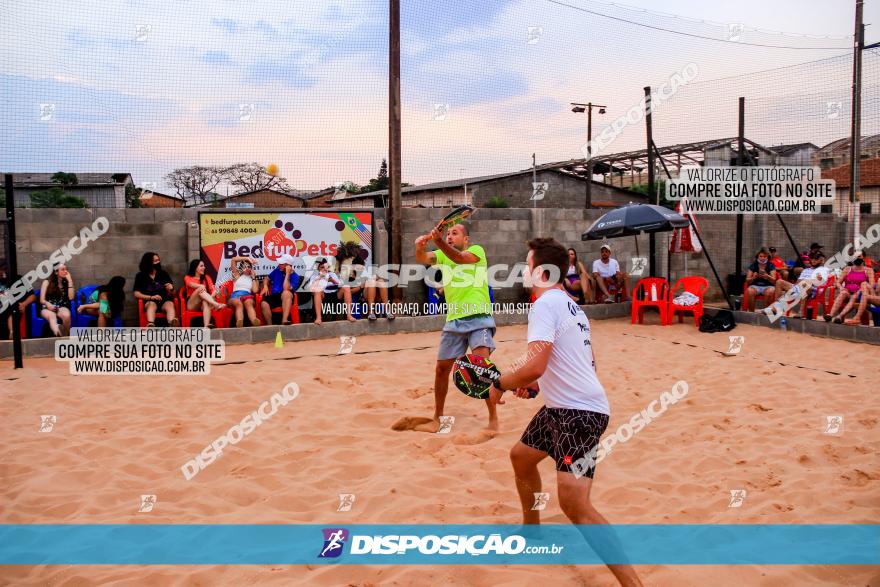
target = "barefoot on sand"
x: 417, y: 424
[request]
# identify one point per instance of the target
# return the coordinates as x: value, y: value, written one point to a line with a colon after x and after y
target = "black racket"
x: 457, y: 216
x: 474, y: 375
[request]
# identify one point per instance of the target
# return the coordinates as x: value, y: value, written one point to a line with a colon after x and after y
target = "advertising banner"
x: 265, y: 236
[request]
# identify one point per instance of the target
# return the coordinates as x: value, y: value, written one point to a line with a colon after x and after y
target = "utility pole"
x: 855, y: 138
x: 534, y: 181
x: 740, y: 161
x: 12, y: 268
x: 577, y: 108
x: 652, y: 188
x: 394, y: 160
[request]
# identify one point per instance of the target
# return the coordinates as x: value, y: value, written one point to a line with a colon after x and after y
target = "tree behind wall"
x: 250, y: 177
x: 196, y: 184
x: 133, y: 196
x: 56, y: 197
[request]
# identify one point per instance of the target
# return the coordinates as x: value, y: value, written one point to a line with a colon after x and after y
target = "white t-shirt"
x: 606, y: 270
x: 570, y: 380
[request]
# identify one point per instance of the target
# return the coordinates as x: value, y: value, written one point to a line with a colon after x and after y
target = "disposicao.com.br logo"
x: 451, y: 544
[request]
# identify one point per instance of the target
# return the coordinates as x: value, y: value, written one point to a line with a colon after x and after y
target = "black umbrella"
x: 634, y: 219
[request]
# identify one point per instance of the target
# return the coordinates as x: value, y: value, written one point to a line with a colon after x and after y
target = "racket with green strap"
x: 457, y: 216
x: 474, y: 375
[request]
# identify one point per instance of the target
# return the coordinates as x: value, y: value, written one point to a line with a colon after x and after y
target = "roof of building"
x: 869, y: 174
x: 83, y: 179
x: 456, y: 183
x: 161, y: 194
x: 787, y: 149
x: 868, y: 142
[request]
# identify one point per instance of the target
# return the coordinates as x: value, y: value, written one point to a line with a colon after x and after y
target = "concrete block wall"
x: 132, y: 232
x: 174, y: 234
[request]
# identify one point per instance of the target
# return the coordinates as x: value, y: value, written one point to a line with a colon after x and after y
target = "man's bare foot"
x: 417, y: 424
x: 493, y: 424
x: 853, y: 321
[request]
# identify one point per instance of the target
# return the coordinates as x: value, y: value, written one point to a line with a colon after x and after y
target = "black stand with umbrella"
x: 634, y: 219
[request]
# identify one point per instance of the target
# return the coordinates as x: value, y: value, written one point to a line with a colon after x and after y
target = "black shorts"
x: 566, y: 435
x: 274, y: 300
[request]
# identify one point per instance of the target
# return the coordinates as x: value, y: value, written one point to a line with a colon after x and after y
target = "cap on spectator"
x: 285, y: 259
x: 816, y: 246
x: 605, y: 246
x: 772, y: 249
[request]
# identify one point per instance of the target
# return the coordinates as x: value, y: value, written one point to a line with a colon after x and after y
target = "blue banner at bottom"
x: 563, y: 544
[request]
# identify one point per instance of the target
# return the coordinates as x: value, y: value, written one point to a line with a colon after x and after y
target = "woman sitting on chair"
x: 244, y: 289
x: 153, y: 285
x: 106, y: 301
x: 55, y: 296
x: 577, y: 282
x: 200, y: 292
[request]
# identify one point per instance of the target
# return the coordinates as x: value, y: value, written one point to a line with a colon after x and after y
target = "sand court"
x: 756, y: 422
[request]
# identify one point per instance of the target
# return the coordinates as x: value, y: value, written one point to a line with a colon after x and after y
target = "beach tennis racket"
x: 474, y: 375
x: 457, y: 216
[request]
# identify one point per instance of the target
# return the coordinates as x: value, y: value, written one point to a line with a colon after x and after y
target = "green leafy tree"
x: 497, y: 202
x: 133, y: 196
x: 56, y: 197
x: 65, y: 179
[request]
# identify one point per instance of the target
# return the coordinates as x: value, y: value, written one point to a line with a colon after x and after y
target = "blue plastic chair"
x: 875, y: 311
x: 37, y: 322
x: 434, y: 301
x: 78, y: 320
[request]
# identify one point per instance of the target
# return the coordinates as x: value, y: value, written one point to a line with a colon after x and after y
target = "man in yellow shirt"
x: 469, y: 321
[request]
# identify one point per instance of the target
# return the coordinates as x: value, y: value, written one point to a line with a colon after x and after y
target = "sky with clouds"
x: 147, y: 86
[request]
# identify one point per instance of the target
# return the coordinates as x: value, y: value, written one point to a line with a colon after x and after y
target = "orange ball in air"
x: 272, y: 169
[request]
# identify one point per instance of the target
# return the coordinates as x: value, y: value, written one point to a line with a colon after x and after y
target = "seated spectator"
x: 6, y: 281
x: 374, y: 283
x: 816, y: 262
x: 869, y: 262
x: 153, y: 285
x: 106, y: 301
x: 610, y: 280
x: 55, y: 296
x: 278, y: 290
x: 351, y: 282
x: 323, y: 282
x: 850, y: 289
x: 804, y: 261
x: 200, y: 292
x: 576, y: 282
x: 761, y: 279
x: 244, y: 290
x: 869, y: 295
x: 779, y: 263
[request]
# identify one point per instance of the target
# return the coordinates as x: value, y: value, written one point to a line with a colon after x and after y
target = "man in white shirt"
x: 610, y: 280
x: 815, y: 270
x: 560, y: 363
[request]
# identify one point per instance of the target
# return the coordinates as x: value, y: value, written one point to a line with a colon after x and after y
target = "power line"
x: 712, y: 22
x: 693, y: 35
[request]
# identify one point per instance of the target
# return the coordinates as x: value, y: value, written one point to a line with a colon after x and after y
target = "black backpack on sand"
x: 721, y: 321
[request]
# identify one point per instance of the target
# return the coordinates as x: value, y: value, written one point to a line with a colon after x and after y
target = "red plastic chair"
x: 824, y: 297
x: 641, y: 298
x: 696, y: 285
x: 294, y: 308
x: 221, y: 317
x: 142, y: 316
